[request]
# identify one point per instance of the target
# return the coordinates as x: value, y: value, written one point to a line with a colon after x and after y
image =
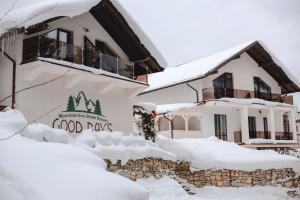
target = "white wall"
x: 208, y: 124
x: 176, y: 94
x: 116, y: 104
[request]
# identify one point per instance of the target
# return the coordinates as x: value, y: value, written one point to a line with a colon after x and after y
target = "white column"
x: 186, y: 123
x: 293, y: 125
x: 171, y: 118
x: 244, y: 124
x: 272, y: 123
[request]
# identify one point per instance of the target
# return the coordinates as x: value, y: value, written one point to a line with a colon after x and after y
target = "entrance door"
x: 221, y: 127
x: 266, y: 129
x: 252, y: 127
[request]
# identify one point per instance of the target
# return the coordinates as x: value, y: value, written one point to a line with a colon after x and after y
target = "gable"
x: 243, y: 70
x: 207, y: 66
x: 123, y: 29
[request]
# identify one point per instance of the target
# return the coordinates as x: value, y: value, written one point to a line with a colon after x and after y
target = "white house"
x: 237, y: 95
x: 75, y: 65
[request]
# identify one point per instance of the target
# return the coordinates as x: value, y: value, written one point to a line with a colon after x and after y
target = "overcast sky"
x: 190, y: 29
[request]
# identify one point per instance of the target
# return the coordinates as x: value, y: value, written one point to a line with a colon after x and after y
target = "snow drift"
x: 46, y: 171
x: 38, y: 165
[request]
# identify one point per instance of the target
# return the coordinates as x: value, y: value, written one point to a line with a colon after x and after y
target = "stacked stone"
x: 144, y: 168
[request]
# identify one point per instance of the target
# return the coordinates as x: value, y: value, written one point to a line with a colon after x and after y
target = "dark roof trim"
x: 118, y: 28
x: 264, y: 61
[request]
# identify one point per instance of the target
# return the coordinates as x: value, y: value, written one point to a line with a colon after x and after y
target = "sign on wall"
x: 82, y: 113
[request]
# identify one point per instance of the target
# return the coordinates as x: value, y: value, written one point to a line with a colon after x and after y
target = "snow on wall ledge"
x: 209, y: 153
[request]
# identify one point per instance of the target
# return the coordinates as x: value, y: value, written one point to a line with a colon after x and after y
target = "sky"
x: 187, y: 30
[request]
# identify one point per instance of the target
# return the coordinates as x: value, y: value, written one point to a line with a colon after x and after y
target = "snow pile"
x: 167, y: 189
x: 44, y: 133
x: 165, y: 108
x: 38, y: 12
x: 119, y: 146
x: 212, y: 153
x: 46, y: 171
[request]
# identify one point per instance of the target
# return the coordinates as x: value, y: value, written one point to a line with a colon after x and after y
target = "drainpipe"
x: 196, y: 91
x: 14, y: 78
x: 170, y: 120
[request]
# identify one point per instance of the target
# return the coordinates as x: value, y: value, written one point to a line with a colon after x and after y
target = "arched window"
x: 194, y: 124
x: 163, y: 124
x: 178, y: 123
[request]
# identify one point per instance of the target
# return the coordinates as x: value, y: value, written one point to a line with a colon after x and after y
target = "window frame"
x: 258, y: 85
x: 221, y: 132
x: 220, y: 85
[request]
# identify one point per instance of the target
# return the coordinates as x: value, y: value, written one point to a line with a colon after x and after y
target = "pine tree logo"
x: 71, y: 105
x: 98, y: 108
x: 82, y: 104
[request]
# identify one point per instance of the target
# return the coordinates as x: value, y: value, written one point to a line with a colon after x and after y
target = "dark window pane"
x: 30, y: 49
x: 221, y: 127
x: 223, y: 86
x: 252, y: 127
x: 103, y: 48
x: 261, y: 89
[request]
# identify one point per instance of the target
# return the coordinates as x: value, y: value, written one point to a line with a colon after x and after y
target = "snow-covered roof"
x: 165, y: 108
x: 35, y: 13
x: 202, y: 67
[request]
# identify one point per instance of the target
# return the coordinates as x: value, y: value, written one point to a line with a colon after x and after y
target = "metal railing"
x: 284, y: 136
x: 51, y: 48
x: 217, y: 93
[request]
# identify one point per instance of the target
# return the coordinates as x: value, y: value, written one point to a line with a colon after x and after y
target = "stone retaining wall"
x: 144, y: 168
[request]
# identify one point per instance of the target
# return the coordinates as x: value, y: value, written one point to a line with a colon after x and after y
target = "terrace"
x: 57, y: 45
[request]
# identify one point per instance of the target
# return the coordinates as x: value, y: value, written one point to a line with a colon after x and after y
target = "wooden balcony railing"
x: 217, y: 93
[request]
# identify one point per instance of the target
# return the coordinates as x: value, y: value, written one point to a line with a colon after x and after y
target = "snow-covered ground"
x: 43, y: 163
x: 47, y: 171
x: 204, y: 153
x: 168, y: 189
x: 214, y: 153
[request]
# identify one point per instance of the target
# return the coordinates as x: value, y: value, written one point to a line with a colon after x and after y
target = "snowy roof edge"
x: 225, y: 61
x: 42, y: 11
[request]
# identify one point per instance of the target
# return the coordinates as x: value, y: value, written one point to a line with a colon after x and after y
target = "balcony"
x: 217, y: 93
x: 46, y: 47
x: 284, y: 136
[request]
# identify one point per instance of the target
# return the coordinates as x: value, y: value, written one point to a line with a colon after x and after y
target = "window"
x: 103, y: 48
x: 252, y: 127
x: 221, y: 127
x: 266, y: 128
x: 261, y: 89
x: 57, y: 44
x: 286, y: 123
x: 30, y: 49
x: 223, y: 86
